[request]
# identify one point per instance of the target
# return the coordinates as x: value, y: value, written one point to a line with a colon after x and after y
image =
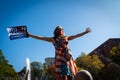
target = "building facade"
x: 104, y: 49
x: 49, y: 61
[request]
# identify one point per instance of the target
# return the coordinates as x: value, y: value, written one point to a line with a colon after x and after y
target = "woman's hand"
x: 88, y: 30
x: 28, y: 34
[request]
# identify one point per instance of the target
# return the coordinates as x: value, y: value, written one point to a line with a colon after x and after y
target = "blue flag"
x: 17, y: 32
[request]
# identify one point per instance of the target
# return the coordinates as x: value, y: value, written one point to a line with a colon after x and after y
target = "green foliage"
x: 36, y: 69
x: 115, y: 54
x: 6, y: 70
x: 36, y: 65
x: 91, y: 63
x: 50, y: 72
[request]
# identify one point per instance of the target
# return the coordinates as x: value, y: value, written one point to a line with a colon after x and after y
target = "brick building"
x: 104, y: 49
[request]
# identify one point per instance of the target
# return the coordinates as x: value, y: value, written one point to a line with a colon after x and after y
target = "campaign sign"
x: 17, y: 32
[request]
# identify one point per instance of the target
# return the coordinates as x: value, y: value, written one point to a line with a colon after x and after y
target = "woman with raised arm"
x: 65, y: 66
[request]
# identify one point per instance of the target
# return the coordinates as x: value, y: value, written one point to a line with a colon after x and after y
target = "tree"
x: 50, y: 72
x: 6, y: 70
x: 36, y: 69
x: 115, y: 54
x: 91, y: 63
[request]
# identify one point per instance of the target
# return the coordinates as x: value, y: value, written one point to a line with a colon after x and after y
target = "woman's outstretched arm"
x: 48, y: 39
x: 79, y: 35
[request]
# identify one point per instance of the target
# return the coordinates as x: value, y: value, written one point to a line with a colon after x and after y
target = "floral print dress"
x: 64, y: 63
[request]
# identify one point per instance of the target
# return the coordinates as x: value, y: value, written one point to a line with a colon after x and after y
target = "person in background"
x: 65, y: 66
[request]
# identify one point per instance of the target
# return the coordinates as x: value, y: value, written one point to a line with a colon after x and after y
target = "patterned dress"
x: 64, y: 63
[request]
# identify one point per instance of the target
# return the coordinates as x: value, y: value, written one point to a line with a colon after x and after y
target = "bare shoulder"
x: 71, y: 37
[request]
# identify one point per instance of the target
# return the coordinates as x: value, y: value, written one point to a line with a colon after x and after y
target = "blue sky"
x: 42, y: 16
